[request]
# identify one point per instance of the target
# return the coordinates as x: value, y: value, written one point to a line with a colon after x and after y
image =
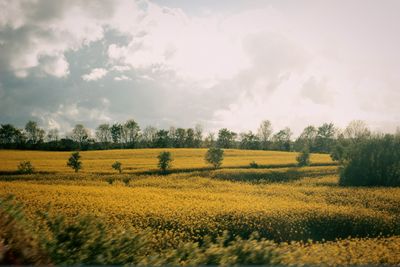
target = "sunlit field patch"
x: 282, y: 204
x: 138, y: 160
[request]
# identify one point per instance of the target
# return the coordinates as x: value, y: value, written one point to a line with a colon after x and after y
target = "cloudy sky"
x: 218, y: 63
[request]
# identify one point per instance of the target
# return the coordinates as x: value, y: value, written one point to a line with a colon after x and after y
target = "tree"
x: 80, y: 134
x: 162, y: 139
x: 52, y: 135
x: 132, y: 130
x: 189, y: 141
x: 164, y: 161
x: 209, y: 141
x: 214, y: 156
x: 8, y: 134
x: 117, y: 166
x: 180, y: 138
x: 303, y: 159
x: 281, y: 140
x: 149, y: 136
x: 226, y: 138
x: 356, y: 130
x: 325, y: 138
x: 103, y: 134
x: 116, y: 132
x: 264, y: 134
x: 34, y: 133
x: 198, y: 135
x: 249, y: 141
x: 306, y: 139
x: 374, y: 161
x: 74, y: 161
x: 25, y: 167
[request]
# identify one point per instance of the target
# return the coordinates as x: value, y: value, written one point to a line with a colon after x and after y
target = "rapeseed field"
x: 306, y: 215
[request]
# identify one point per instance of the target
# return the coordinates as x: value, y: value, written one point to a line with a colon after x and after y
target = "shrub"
x: 164, y: 161
x: 303, y: 159
x: 25, y: 167
x: 74, y: 161
x: 126, y: 181
x: 372, y: 162
x: 117, y: 166
x: 110, y: 180
x: 253, y: 164
x: 214, y: 156
x: 18, y: 244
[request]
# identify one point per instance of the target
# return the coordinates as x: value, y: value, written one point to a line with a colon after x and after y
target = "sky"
x: 216, y: 63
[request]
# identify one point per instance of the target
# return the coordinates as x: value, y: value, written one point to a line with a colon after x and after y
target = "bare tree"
x: 264, y: 133
x: 80, y: 134
x: 53, y: 135
x: 103, y: 133
x: 356, y: 130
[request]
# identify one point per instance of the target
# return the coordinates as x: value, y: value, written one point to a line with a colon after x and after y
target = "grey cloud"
x: 317, y: 91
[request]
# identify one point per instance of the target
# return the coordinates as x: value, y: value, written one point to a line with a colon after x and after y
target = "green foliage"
x: 226, y: 138
x: 164, y: 161
x: 89, y: 241
x: 303, y: 159
x: 18, y: 244
x: 25, y: 167
x: 74, y: 161
x: 110, y: 180
x: 117, y: 166
x: 214, y: 156
x: 253, y: 165
x: 373, y: 161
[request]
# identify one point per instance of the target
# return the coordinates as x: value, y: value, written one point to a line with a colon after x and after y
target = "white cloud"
x: 56, y: 66
x: 122, y: 78
x: 95, y: 74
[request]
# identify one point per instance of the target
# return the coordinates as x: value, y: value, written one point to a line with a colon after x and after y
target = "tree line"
x: 320, y: 139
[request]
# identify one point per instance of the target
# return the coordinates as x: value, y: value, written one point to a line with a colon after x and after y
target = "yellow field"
x: 281, y: 204
x: 134, y: 160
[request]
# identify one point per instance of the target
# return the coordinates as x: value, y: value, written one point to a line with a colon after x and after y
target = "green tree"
x: 226, y: 138
x: 164, y: 161
x: 373, y: 161
x: 74, y: 161
x: 116, y: 133
x: 281, y: 140
x: 25, y: 167
x: 117, y: 166
x: 249, y: 141
x: 131, y: 132
x: 325, y: 138
x: 303, y: 159
x: 214, y: 156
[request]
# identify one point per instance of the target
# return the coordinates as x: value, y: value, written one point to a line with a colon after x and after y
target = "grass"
x: 181, y: 211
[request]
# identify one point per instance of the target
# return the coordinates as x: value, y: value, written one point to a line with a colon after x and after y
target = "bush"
x: 25, y: 167
x: 164, y: 161
x: 86, y: 240
x: 74, y: 161
x: 110, y: 180
x: 253, y: 164
x: 214, y: 156
x: 117, y: 166
x: 372, y: 162
x: 303, y: 159
x: 126, y: 181
x: 18, y: 244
